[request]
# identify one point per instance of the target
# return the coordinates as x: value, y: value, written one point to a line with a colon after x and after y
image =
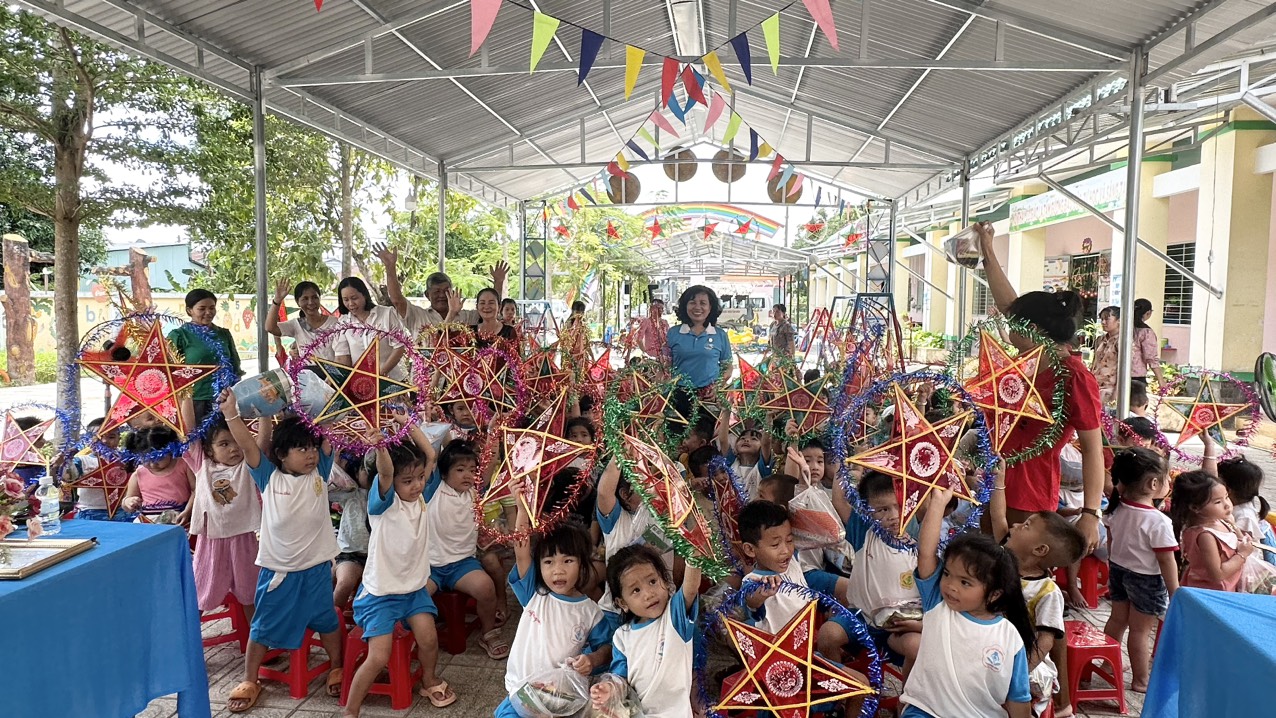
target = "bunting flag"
x: 822, y: 14
x: 482, y: 16
x: 637, y: 150
x: 797, y: 186
x: 563, y: 231
x: 571, y: 201
x: 623, y: 164
x: 712, y: 62
x: 740, y: 43
x: 668, y: 75
x: 590, y: 43
x: 744, y: 228
x: 691, y: 82
x: 709, y: 229
x: 841, y: 205
x: 655, y: 228
x: 659, y: 120
x: 753, y: 144
x: 678, y: 110
x: 733, y: 126
x: 643, y: 133
x: 775, y: 167
x: 765, y: 150
x: 588, y: 197
x: 543, y: 29
x: 633, y: 65
x: 319, y: 6
x: 771, y: 34
x: 545, y: 214
x: 819, y: 192
x: 715, y: 111
x: 786, y: 175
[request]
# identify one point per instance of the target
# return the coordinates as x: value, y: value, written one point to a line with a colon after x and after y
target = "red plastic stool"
x: 299, y: 673
x: 231, y: 609
x: 1093, y: 577
x: 1085, y: 645
x: 884, y: 702
x: 401, y: 677
x: 455, y: 630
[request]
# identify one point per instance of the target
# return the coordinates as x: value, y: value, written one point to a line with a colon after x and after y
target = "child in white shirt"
x: 766, y: 538
x: 625, y: 520
x: 749, y: 457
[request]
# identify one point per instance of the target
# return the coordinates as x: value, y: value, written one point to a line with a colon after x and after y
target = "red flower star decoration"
x: 668, y: 495
x: 148, y: 381
x: 1203, y: 413
x: 799, y: 403
x: 111, y: 478
x: 919, y: 458
x: 783, y: 674
x: 1005, y: 390
x: 361, y: 388
x: 18, y: 445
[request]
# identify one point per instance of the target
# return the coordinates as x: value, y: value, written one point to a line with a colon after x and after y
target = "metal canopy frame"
x: 690, y: 252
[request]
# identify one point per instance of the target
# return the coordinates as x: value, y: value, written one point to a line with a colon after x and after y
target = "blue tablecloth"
x: 102, y: 634
x: 1216, y: 656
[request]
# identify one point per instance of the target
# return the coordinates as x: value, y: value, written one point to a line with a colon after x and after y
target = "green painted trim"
x: 1022, y: 197
x: 1240, y: 125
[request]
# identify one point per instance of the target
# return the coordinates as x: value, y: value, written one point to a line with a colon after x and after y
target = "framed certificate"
x: 20, y: 558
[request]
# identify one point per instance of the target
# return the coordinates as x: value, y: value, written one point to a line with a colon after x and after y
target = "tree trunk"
x: 140, y: 279
x: 347, y: 209
x: 18, y: 324
x: 71, y: 115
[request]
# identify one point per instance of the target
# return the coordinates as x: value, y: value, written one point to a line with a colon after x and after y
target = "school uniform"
x: 355, y: 343
x: 394, y: 579
x: 620, y: 529
x: 784, y: 605
x: 454, y: 532
x: 225, y: 515
x: 1045, y: 610
x: 655, y: 656
x: 750, y: 475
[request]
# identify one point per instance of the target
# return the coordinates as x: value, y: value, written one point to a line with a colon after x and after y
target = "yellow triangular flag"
x: 624, y: 163
x: 712, y: 62
x: 733, y: 126
x: 764, y: 150
x: 633, y: 65
x: 543, y: 29
x: 771, y: 33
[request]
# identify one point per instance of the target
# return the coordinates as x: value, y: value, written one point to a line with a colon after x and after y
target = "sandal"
x: 334, y: 682
x: 440, y: 695
x: 248, y: 691
x: 496, y: 647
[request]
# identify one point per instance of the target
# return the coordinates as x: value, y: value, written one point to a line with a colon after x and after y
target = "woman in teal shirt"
x: 700, y: 353
x: 201, y: 306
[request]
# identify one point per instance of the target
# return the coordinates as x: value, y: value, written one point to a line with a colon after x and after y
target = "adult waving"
x: 304, y: 327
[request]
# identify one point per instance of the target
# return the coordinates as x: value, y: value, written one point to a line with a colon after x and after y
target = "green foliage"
x: 38, y: 231
x: 833, y: 223
x: 923, y: 339
x: 46, y: 367
x: 589, y: 252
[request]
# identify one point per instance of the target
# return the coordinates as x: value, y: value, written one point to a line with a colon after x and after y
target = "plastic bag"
x: 619, y: 700
x: 1258, y: 576
x: 890, y: 614
x: 555, y: 693
x: 814, y: 520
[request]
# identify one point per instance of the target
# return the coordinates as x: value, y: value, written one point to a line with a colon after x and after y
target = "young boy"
x: 749, y: 457
x: 766, y: 538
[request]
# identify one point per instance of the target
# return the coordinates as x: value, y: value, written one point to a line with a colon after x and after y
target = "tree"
x: 55, y: 84
x: 38, y: 231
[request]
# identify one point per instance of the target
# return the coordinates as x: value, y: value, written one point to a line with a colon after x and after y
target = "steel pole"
x: 442, y: 216
x: 1133, y: 172
x: 962, y: 271
x: 259, y: 218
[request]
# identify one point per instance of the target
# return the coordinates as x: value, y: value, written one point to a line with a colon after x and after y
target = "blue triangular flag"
x: 786, y: 175
x: 841, y: 206
x: 753, y: 144
x: 679, y: 111
x: 819, y: 191
x: 590, y: 43
x: 590, y: 197
x: 740, y: 43
x: 637, y: 150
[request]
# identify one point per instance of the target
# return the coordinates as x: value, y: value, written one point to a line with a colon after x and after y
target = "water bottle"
x: 50, y: 510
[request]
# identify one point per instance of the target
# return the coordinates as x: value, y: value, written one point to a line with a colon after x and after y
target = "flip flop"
x: 246, y: 691
x: 495, y: 646
x: 440, y: 695
x: 334, y: 682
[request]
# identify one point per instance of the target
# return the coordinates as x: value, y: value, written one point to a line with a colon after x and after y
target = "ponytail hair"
x: 1141, y: 307
x: 994, y: 565
x: 1131, y: 468
x: 1056, y: 314
x: 1192, y: 490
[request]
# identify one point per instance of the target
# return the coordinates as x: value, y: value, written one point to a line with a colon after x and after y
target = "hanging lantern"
x: 623, y: 189
x: 785, y: 196
x: 680, y: 164
x: 725, y: 166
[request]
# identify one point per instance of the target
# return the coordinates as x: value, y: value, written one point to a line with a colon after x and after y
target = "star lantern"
x: 919, y: 457
x: 814, y: 227
x: 563, y: 231
x: 729, y: 506
x: 709, y: 229
x: 655, y: 229
x: 798, y: 402
x: 1203, y: 413
x: 745, y: 228
x: 612, y: 231
x: 653, y: 408
x: 111, y: 478
x: 532, y: 458
x: 783, y: 674
x: 18, y: 445
x: 150, y: 380
x: 668, y: 495
x: 852, y: 239
x: 361, y: 388
x: 1005, y: 390
x: 542, y: 375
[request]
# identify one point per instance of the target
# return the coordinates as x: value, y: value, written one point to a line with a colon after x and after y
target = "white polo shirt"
x: 296, y: 527
x: 455, y: 533
x: 399, y: 544
x: 655, y: 656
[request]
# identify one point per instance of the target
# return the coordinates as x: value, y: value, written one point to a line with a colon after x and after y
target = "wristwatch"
x: 1093, y: 512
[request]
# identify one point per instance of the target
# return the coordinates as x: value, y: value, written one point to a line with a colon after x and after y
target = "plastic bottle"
x: 50, y: 497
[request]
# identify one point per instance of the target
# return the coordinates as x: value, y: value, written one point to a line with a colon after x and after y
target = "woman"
x: 700, y: 354
x: 1033, y: 485
x: 1146, y: 354
x: 490, y: 328
x: 196, y: 347
x: 1105, y: 364
x: 356, y: 307
x: 303, y: 328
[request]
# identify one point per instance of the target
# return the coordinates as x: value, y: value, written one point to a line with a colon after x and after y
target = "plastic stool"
x: 1093, y: 577
x: 1085, y: 645
x: 231, y: 609
x: 401, y: 676
x: 299, y: 674
x: 884, y: 702
x: 454, y: 608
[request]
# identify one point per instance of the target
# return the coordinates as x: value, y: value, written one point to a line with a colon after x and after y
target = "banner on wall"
x: 1105, y: 192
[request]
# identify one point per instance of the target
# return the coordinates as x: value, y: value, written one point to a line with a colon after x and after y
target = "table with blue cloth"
x: 1216, y: 656
x: 103, y: 633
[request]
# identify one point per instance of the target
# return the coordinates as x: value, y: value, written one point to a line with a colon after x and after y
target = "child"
x: 1042, y: 543
x: 90, y: 503
x: 453, y: 567
x: 348, y: 486
x: 1142, y: 573
x: 625, y: 521
x: 778, y: 489
x: 559, y: 623
x: 296, y: 548
x: 162, y: 484
x: 464, y: 425
x: 812, y: 559
x: 201, y: 307
x: 653, y: 650
x: 972, y: 661
x: 749, y: 458
x: 225, y: 516
x: 766, y: 538
x: 395, y: 580
x: 1213, y: 549
x: 700, y: 434
x: 1243, y: 479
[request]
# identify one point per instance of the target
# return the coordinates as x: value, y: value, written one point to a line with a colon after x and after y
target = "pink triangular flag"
x: 797, y: 185
x: 482, y: 16
x: 662, y: 122
x: 823, y: 16
x: 716, y: 106
x: 775, y: 167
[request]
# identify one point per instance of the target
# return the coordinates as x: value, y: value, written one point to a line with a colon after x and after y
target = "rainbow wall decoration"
x: 696, y: 214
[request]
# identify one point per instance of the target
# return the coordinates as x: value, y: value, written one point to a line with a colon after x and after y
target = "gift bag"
x: 621, y: 700
x: 1258, y: 576
x: 814, y: 520
x: 555, y: 693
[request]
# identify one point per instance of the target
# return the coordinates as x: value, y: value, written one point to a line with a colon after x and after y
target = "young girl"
x: 1142, y: 573
x: 750, y: 457
x: 1213, y: 548
x: 1243, y: 479
x: 625, y: 521
x: 559, y: 623
x: 161, y: 484
x: 453, y: 567
x: 972, y: 661
x: 90, y: 503
x: 395, y: 581
x: 201, y: 306
x: 348, y: 486
x: 653, y: 650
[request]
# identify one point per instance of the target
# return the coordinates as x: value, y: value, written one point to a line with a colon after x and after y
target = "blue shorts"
x: 446, y: 576
x: 506, y: 710
x: 376, y: 615
x: 102, y: 515
x: 823, y: 581
x: 302, y: 601
x: 1146, y: 593
x: 879, y: 637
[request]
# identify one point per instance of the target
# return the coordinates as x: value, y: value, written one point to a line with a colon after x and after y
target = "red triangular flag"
x: 775, y: 167
x: 571, y: 202
x: 693, y: 86
x: 709, y: 228
x: 667, y: 77
x: 482, y: 16
x: 654, y: 229
x: 744, y: 228
x: 318, y: 5
x: 544, y: 214
x: 614, y: 170
x: 611, y: 230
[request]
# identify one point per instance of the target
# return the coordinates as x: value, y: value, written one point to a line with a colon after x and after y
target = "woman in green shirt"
x: 201, y: 306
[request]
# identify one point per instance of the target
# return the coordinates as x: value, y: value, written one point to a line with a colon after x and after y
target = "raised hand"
x: 281, y: 289
x: 387, y: 256
x: 500, y: 271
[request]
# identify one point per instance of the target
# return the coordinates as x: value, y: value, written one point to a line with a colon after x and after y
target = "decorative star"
x: 648, y: 390
x: 1203, y: 413
x: 783, y: 674
x: 874, y: 318
x: 360, y: 388
x: 1005, y: 390
x: 532, y: 458
x: 18, y: 445
x: 148, y: 381
x: 919, y: 456
x: 668, y: 495
x: 111, y: 478
x: 821, y: 328
x: 655, y: 229
x: 799, y: 403
x: 542, y: 375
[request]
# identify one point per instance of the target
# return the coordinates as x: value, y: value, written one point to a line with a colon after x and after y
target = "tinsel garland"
x: 1243, y: 435
x: 984, y: 459
x: 719, y: 464
x: 67, y: 430
x: 1055, y: 360
x: 548, y: 523
x: 667, y: 440
x: 92, y: 342
x: 715, y: 621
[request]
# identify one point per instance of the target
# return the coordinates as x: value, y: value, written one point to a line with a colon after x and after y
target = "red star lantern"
x: 919, y: 457
x: 655, y: 229
x: 744, y: 228
x: 653, y: 409
x: 361, y: 388
x: 851, y: 239
x: 814, y: 227
x: 612, y: 231
x: 783, y: 674
x: 111, y: 478
x: 148, y: 381
x: 668, y: 496
x: 1203, y: 413
x: 729, y: 506
x: 1005, y: 390
x: 532, y: 457
x: 563, y: 231
x: 798, y: 402
x: 18, y: 445
x: 709, y: 229
x: 542, y: 375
